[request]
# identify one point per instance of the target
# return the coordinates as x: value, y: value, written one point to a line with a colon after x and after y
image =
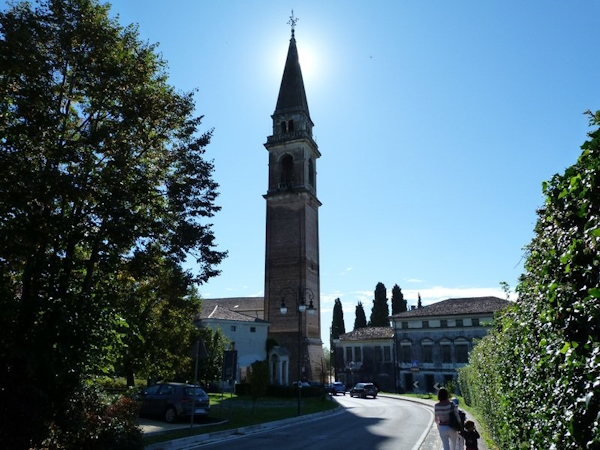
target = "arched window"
x: 291, y: 126
x: 427, y: 349
x: 283, y: 127
x: 286, y: 170
x: 446, y: 350
x: 311, y: 172
x: 406, y: 351
x: 461, y: 347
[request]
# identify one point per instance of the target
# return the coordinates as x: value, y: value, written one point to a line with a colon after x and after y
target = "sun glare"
x: 306, y: 62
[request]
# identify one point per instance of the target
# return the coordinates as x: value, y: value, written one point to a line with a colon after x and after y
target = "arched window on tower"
x: 291, y: 126
x: 311, y: 172
x: 286, y: 172
x: 283, y: 127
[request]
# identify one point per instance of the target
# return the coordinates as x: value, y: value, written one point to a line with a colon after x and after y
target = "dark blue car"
x: 173, y: 401
x: 364, y: 390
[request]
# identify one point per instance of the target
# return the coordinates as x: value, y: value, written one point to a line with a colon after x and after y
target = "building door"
x: 430, y: 381
x: 408, y: 382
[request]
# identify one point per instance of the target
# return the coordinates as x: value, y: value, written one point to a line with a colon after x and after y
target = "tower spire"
x: 292, y: 96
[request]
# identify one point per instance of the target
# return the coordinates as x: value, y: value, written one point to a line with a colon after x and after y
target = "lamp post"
x: 335, y: 342
x: 301, y: 296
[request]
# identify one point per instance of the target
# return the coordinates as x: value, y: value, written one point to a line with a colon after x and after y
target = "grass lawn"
x: 241, y: 411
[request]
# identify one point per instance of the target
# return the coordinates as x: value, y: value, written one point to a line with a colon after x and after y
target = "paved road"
x: 369, y: 424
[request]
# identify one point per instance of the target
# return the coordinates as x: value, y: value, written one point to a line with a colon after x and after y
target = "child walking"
x: 470, y: 435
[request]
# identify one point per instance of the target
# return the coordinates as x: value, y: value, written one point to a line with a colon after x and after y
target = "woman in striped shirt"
x: 443, y: 409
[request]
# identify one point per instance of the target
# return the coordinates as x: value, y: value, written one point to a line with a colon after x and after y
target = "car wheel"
x: 170, y: 414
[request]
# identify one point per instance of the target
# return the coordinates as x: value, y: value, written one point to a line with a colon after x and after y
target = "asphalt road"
x: 369, y: 424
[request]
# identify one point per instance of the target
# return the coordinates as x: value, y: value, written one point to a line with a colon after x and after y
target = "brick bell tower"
x: 292, y: 227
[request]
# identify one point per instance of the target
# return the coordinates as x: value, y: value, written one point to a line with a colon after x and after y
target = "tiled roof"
x: 280, y: 351
x: 242, y: 309
x: 368, y: 334
x: 236, y: 303
x: 457, y: 307
x: 219, y: 312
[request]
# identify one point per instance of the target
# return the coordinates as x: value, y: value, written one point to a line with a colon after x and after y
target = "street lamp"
x: 301, y: 306
x: 336, y: 341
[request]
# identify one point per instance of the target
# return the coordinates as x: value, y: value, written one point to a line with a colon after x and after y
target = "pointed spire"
x: 292, y: 96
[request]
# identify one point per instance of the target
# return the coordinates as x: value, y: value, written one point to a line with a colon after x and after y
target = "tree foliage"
x: 258, y: 379
x: 101, y: 170
x: 398, y: 302
x: 380, y: 312
x: 215, y: 343
x: 360, y: 320
x: 337, y: 323
x: 536, y: 375
x: 157, y: 303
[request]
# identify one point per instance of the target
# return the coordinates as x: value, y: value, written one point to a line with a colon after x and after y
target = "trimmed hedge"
x: 536, y: 376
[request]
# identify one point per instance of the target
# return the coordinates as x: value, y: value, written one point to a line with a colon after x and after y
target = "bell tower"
x: 292, y: 226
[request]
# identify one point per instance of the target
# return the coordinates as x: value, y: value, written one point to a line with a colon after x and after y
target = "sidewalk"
x: 432, y: 441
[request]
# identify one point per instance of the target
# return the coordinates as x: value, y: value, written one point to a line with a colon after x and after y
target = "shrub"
x: 92, y: 422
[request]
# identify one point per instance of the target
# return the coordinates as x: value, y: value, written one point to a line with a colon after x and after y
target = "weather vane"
x: 293, y: 20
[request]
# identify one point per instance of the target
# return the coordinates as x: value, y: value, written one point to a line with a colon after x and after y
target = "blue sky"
x: 437, y: 122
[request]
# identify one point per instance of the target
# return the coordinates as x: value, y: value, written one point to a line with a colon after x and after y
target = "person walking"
x: 470, y: 435
x: 443, y: 408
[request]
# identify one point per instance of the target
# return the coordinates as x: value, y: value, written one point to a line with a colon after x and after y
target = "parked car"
x: 172, y: 401
x: 337, y: 387
x: 303, y: 384
x: 363, y: 390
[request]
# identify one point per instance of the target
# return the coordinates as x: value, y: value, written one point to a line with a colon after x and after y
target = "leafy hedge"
x: 536, y: 376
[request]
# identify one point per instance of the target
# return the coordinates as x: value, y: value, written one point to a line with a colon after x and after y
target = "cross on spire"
x: 293, y: 21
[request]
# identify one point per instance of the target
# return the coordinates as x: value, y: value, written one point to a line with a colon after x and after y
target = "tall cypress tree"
x: 361, y: 319
x: 380, y: 312
x: 337, y: 324
x: 398, y: 301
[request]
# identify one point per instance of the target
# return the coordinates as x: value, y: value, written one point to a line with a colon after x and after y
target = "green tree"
x: 553, y: 400
x: 419, y: 304
x: 380, y: 312
x: 100, y: 163
x: 360, y: 320
x: 157, y: 302
x: 398, y: 302
x: 215, y: 343
x: 258, y: 378
x: 337, y: 323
